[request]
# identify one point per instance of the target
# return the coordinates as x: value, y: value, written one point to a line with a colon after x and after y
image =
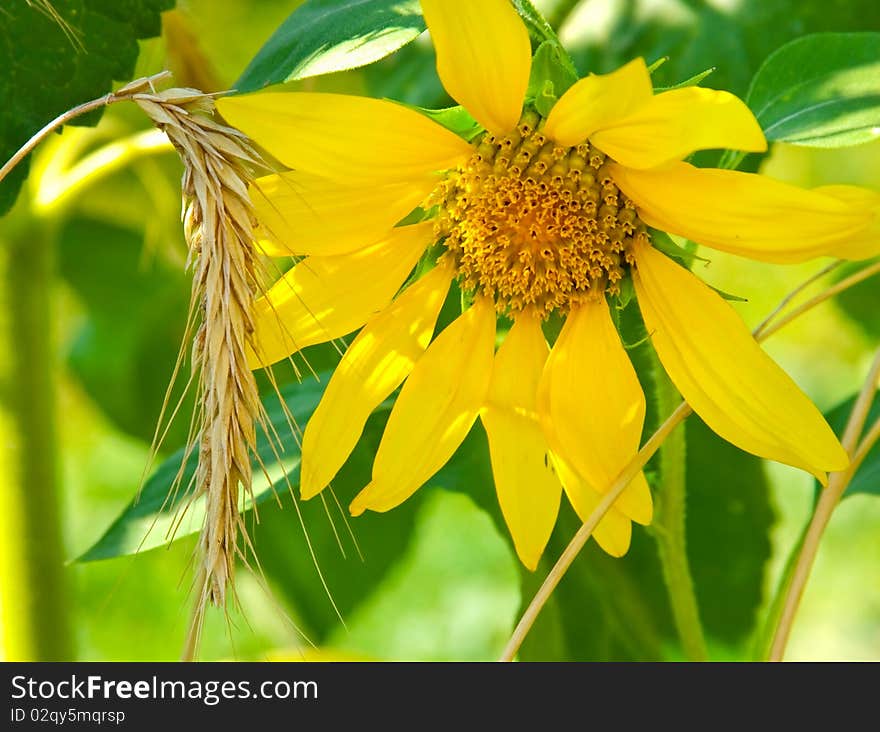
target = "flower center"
x: 535, y: 225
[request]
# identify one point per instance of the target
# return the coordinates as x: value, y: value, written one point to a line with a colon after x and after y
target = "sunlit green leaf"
x: 822, y: 90
x: 456, y: 119
x: 150, y: 519
x: 322, y: 36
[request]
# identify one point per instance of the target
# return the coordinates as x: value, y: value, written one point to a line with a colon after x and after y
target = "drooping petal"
x: 323, y: 298
x: 672, y: 125
x: 598, y: 101
x: 375, y: 364
x: 592, y: 407
x: 436, y: 409
x: 528, y: 489
x: 867, y: 243
x: 483, y: 58
x: 614, y: 532
x: 346, y: 138
x: 300, y: 213
x: 713, y: 360
x: 743, y: 213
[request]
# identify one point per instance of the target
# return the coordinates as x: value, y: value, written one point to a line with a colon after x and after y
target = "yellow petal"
x: 528, y: 489
x: 866, y: 244
x: 323, y: 298
x: 672, y: 125
x: 375, y: 364
x: 715, y: 363
x: 349, y: 139
x: 743, y: 213
x: 614, y: 532
x: 597, y: 101
x: 483, y: 58
x: 300, y: 213
x: 436, y: 409
x: 592, y: 407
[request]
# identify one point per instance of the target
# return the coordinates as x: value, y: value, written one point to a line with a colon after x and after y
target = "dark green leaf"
x: 822, y: 90
x: 322, y: 36
x: 147, y: 522
x: 352, y: 566
x: 604, y: 609
x: 49, y: 67
x: 729, y: 518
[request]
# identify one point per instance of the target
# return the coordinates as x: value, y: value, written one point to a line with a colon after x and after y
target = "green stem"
x: 32, y: 595
x: 542, y: 31
x: 669, y: 525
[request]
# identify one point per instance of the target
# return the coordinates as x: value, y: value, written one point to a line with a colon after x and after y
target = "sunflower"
x: 536, y: 216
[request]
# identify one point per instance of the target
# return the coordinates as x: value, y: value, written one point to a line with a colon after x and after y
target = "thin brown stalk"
x: 828, y: 500
x: 218, y: 224
x: 126, y: 92
x: 844, y: 284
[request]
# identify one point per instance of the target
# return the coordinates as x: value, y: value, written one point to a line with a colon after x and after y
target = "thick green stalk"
x: 33, y: 606
x: 669, y: 524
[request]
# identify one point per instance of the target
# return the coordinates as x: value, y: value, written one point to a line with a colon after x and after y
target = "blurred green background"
x: 438, y: 579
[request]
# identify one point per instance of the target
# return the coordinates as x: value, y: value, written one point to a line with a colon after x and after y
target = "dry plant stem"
x: 828, y: 500
x: 584, y: 532
x: 125, y: 92
x: 218, y: 224
x: 648, y: 449
x: 844, y: 284
x: 794, y: 293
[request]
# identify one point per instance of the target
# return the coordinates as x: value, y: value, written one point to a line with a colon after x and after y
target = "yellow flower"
x: 536, y: 216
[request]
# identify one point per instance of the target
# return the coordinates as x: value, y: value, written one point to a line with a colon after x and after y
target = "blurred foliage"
x: 60, y: 54
x: 734, y: 37
x: 435, y: 578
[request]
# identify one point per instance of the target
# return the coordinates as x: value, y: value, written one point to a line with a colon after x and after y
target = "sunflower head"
x: 536, y: 225
x: 539, y: 214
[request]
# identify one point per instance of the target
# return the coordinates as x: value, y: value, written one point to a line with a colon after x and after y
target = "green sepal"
x: 551, y: 76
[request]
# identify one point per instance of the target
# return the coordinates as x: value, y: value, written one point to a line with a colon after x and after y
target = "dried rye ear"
x: 219, y: 165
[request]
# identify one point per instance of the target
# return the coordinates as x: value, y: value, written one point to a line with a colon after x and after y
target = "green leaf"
x: 352, y: 558
x: 867, y: 477
x: 736, y: 38
x: 49, y: 67
x: 125, y: 347
x: 860, y: 303
x: 729, y: 518
x: 149, y: 520
x: 323, y: 36
x: 604, y: 609
x: 820, y: 91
